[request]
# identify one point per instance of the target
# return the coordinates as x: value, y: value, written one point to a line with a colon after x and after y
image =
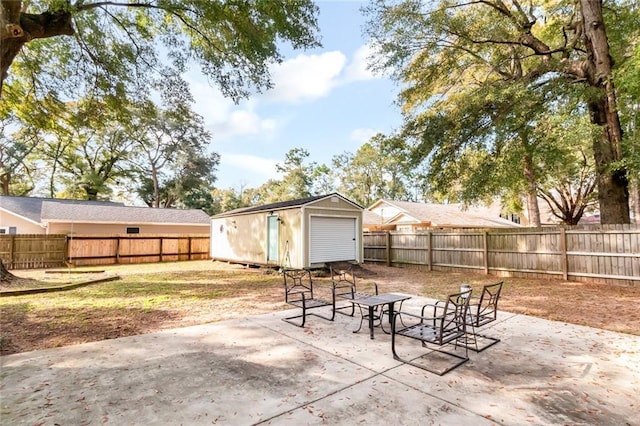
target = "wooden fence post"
x: 388, y: 248
x: 12, y: 250
x: 564, y: 257
x: 429, y: 253
x: 485, y: 255
x: 117, y: 250
x: 190, y: 249
x: 67, y: 250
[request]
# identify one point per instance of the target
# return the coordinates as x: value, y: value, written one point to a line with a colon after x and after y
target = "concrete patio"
x: 261, y: 370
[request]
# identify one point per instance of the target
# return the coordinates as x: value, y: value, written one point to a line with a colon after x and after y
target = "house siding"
x: 23, y: 226
x: 109, y: 228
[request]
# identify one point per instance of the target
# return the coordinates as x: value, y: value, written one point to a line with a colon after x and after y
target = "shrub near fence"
x: 604, y: 254
x: 41, y: 251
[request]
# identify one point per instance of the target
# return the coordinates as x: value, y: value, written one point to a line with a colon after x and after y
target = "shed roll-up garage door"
x: 332, y: 239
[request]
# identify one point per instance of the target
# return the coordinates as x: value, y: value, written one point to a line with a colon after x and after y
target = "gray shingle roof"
x: 58, y: 210
x: 31, y: 207
x: 451, y: 214
x: 371, y: 218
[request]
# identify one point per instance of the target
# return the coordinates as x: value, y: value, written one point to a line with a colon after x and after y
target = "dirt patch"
x: 153, y: 297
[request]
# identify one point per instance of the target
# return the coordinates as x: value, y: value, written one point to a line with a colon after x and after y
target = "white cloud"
x: 209, y: 102
x: 259, y: 168
x: 225, y: 119
x: 245, y: 122
x: 357, y: 68
x: 361, y: 136
x: 306, y: 77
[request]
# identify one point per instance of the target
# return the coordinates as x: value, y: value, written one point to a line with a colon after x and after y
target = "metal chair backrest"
x: 452, y: 323
x: 487, y: 308
x: 339, y: 276
x: 297, y: 281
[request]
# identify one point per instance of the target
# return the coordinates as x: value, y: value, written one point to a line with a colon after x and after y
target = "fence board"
x: 23, y: 251
x: 40, y: 251
x: 606, y: 254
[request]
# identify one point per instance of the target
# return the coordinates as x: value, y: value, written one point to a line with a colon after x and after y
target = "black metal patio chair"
x: 343, y: 281
x: 300, y: 292
x: 482, y: 311
x: 439, y: 331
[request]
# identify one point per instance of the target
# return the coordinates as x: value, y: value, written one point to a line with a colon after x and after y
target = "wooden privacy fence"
x: 604, y: 254
x: 41, y: 251
x: 32, y: 251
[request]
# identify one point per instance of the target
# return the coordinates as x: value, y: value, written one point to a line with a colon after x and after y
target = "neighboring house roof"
x: 443, y: 215
x: 372, y: 218
x: 283, y: 205
x: 42, y: 210
x: 59, y: 212
x: 30, y: 208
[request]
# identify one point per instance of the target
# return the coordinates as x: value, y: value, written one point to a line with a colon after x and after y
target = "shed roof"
x: 283, y: 205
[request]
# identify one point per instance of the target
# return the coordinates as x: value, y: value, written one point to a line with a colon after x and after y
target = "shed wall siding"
x: 240, y: 238
x: 243, y: 237
x: 334, y: 203
x: 291, y: 239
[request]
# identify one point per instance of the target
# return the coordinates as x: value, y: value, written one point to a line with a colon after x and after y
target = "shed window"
x: 8, y: 230
x: 133, y: 230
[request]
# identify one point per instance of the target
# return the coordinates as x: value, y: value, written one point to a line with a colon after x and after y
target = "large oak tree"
x: 441, y: 47
x: 72, y: 45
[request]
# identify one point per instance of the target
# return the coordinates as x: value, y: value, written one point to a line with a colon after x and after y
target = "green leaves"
x: 119, y: 48
x: 379, y: 169
x: 483, y: 82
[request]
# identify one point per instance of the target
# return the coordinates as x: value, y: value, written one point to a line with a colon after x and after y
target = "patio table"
x: 372, y: 302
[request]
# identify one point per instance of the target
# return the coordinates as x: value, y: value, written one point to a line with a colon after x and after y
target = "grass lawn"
x: 152, y: 297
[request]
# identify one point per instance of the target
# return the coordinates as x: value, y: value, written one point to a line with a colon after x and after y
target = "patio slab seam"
x: 383, y: 373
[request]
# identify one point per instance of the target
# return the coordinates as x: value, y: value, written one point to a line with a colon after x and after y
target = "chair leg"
x: 474, y: 339
x: 353, y: 310
x: 304, y: 316
x: 386, y: 312
x: 459, y: 359
x: 362, y: 315
x: 470, y: 340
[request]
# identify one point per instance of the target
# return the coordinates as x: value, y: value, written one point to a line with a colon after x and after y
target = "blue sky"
x: 324, y: 100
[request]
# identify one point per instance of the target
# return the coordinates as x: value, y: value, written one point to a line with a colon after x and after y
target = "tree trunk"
x: 91, y: 191
x: 5, y: 179
x: 156, y: 188
x: 533, y: 210
x: 18, y: 28
x: 635, y: 197
x: 613, y: 192
x: 5, y: 276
